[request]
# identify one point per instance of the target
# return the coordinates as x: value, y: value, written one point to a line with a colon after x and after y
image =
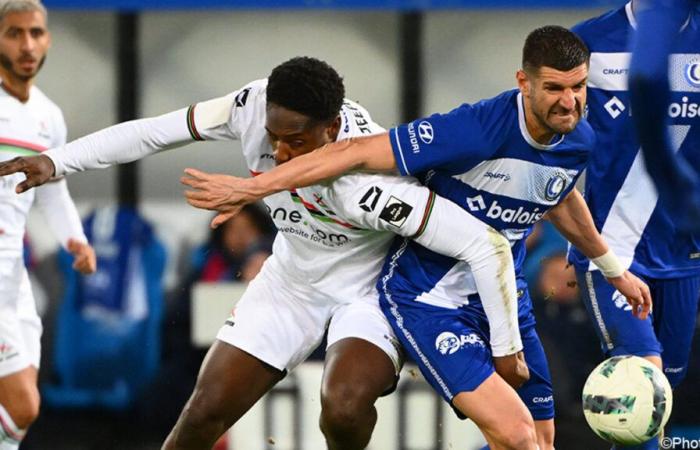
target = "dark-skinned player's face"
x: 293, y: 134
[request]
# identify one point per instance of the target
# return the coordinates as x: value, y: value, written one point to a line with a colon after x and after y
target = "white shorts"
x: 281, y: 322
x: 20, y: 326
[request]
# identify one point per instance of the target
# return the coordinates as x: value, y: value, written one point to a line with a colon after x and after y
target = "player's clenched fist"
x: 38, y: 170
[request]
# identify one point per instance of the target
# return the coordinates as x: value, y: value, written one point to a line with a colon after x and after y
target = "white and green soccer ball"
x: 627, y: 400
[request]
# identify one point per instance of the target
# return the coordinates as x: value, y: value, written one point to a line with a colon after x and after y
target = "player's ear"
x: 334, y: 128
x: 523, y: 82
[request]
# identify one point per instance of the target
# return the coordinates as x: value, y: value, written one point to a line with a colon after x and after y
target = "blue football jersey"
x: 619, y: 190
x: 482, y: 158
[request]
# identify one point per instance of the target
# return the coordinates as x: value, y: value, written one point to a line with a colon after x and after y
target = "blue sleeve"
x: 649, y: 96
x: 460, y: 136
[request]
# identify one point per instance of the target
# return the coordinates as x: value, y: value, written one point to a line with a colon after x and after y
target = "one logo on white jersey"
x: 555, y: 186
x: 396, y: 212
x: 692, y: 73
x: 369, y: 201
x: 425, y: 132
x: 448, y: 343
x: 621, y: 301
x: 508, y: 215
x: 614, y: 107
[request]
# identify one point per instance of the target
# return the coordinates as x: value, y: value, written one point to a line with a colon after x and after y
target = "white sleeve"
x: 452, y: 231
x: 122, y: 143
x: 60, y: 213
x: 223, y: 118
x: 405, y: 207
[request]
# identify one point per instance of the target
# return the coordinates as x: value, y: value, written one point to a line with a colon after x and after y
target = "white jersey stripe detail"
x: 398, y: 143
x: 596, y: 311
x: 518, y: 179
x: 634, y: 204
x: 608, y: 71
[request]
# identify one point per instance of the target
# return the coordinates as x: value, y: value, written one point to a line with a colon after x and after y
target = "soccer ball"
x: 627, y: 400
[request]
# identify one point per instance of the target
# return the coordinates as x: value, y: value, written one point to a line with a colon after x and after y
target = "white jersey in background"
x: 27, y: 129
x: 332, y: 239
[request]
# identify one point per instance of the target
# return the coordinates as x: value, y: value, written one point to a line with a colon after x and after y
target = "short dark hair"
x: 308, y: 86
x: 556, y: 47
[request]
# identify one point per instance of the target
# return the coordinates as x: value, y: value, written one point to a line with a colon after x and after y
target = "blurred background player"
x: 324, y: 263
x: 639, y: 224
x: 675, y: 171
x: 509, y: 161
x: 29, y: 124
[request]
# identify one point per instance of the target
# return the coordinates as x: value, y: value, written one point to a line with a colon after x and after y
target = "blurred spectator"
x: 235, y: 251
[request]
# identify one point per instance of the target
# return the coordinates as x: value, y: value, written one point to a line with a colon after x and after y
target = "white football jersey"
x: 25, y: 129
x: 332, y: 237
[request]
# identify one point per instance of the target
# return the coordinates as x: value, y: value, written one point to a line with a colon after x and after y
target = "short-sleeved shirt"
x: 619, y: 191
x: 481, y: 157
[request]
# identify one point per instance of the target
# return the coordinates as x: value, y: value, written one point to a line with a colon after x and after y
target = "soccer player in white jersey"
x: 332, y: 241
x: 509, y: 160
x: 644, y: 225
x: 29, y: 124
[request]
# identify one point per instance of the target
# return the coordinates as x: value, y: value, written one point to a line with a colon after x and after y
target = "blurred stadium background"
x: 116, y: 60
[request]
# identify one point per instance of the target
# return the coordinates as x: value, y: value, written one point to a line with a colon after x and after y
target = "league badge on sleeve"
x: 396, y: 212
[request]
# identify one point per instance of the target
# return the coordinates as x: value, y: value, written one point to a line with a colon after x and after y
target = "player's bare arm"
x: 371, y: 154
x: 574, y: 221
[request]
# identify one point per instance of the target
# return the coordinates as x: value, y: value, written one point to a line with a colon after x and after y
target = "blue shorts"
x: 451, y: 348
x: 667, y: 332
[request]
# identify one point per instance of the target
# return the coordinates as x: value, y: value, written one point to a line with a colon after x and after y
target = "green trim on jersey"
x: 426, y: 215
x: 191, y: 127
x: 18, y: 150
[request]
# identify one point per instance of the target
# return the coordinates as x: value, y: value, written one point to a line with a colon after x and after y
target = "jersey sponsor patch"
x: 369, y: 201
x: 396, y: 212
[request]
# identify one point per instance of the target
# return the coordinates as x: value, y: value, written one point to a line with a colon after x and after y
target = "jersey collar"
x: 633, y: 20
x: 526, y: 134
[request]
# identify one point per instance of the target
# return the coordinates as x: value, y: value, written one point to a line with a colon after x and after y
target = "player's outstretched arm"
x: 370, y: 153
x: 452, y: 231
x: 574, y: 221
x: 117, y: 144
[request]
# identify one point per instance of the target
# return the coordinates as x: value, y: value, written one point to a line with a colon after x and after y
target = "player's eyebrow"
x: 293, y: 135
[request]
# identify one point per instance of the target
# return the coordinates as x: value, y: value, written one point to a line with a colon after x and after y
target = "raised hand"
x: 635, y: 291
x: 84, y: 260
x: 38, y: 170
x: 225, y: 194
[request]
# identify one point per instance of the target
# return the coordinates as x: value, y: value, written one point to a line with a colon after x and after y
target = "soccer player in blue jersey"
x: 676, y: 176
x: 510, y: 161
x: 642, y: 223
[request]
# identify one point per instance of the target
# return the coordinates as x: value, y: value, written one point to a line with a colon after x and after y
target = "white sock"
x: 10, y: 434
